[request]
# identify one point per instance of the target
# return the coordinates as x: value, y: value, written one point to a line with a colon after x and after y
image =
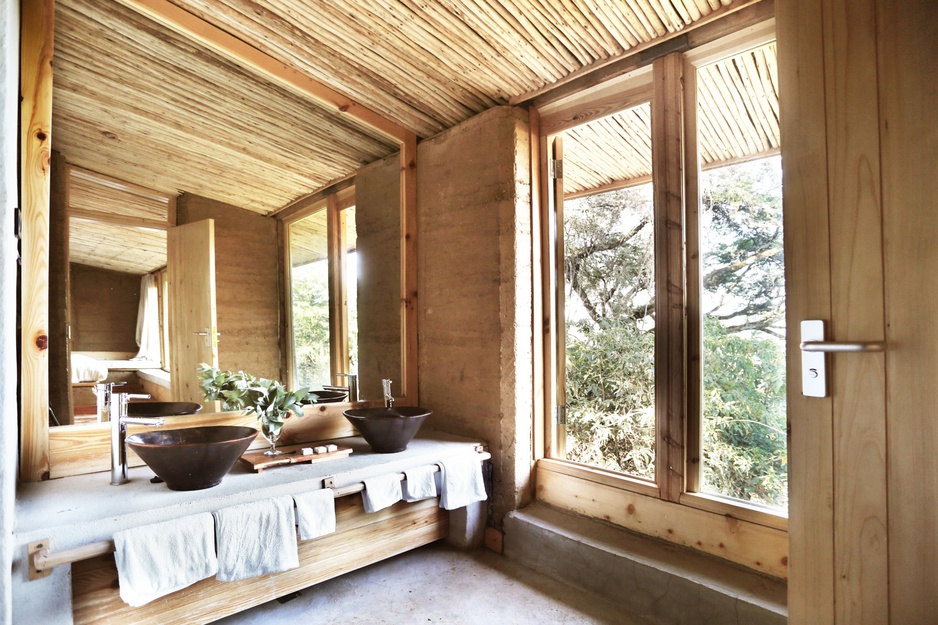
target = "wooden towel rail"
x: 42, y: 560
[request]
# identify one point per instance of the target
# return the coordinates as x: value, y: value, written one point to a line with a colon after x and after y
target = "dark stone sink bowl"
x: 387, y: 430
x: 162, y: 408
x: 328, y: 396
x: 192, y: 458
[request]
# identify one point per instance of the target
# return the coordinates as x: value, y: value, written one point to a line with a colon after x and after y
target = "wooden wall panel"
x: 104, y: 307
x: 857, y: 382
x: 247, y: 284
x: 807, y: 283
x: 60, y: 397
x: 36, y: 51
x: 908, y: 99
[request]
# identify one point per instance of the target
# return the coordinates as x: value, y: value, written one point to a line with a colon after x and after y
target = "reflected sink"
x: 162, y: 408
x: 387, y: 430
x: 192, y: 458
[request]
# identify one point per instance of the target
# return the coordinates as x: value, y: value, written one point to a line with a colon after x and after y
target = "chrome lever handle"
x: 842, y: 346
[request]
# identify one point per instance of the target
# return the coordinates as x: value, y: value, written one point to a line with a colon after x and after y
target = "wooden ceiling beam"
x: 229, y: 46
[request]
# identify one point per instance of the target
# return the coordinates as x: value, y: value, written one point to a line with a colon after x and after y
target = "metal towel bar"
x: 42, y: 560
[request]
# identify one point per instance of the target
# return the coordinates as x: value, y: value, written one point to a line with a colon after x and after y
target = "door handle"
x: 813, y: 361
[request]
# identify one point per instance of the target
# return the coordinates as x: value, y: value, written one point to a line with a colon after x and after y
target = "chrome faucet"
x: 117, y: 404
x: 352, y: 385
x: 388, y: 398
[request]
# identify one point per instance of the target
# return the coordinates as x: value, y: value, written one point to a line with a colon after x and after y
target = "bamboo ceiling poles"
x: 36, y: 146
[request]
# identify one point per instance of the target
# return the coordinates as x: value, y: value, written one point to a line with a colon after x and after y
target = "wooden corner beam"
x: 217, y: 40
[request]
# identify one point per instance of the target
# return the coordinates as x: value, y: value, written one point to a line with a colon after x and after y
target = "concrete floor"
x: 439, y: 584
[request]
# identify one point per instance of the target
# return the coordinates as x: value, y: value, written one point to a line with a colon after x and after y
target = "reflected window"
x: 323, y: 272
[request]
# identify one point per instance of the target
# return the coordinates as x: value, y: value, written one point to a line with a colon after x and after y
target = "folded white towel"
x: 420, y: 483
x: 315, y: 513
x: 255, y: 539
x: 381, y: 492
x: 155, y: 560
x: 462, y: 482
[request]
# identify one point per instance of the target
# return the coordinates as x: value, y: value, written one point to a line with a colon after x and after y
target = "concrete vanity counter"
x: 80, y: 510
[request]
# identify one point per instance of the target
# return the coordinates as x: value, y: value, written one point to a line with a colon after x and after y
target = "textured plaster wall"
x: 9, y: 79
x: 378, y: 225
x: 474, y: 291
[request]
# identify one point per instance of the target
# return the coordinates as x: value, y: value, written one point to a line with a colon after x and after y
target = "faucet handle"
x: 137, y: 395
x: 388, y: 397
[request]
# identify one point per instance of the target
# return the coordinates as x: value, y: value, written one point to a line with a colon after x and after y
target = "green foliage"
x: 268, y: 399
x: 310, y: 294
x: 610, y: 397
x: 744, y: 452
x: 610, y: 312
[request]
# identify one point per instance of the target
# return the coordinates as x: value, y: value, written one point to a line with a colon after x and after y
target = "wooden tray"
x: 292, y: 454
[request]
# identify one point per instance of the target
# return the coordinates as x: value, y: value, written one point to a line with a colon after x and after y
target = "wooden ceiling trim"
x: 226, y: 44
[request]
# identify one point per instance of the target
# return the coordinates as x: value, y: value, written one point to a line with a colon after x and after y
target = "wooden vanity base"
x: 360, y: 539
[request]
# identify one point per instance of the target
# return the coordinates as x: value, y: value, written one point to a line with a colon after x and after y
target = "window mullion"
x: 670, y: 371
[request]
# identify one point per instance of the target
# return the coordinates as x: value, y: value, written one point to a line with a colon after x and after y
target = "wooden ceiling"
x: 141, y: 103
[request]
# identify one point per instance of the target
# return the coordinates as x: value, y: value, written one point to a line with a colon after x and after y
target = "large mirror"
x: 153, y: 135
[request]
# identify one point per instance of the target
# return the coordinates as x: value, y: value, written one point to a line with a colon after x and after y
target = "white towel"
x: 462, y: 482
x: 255, y: 539
x: 155, y: 560
x: 420, y: 483
x: 381, y: 492
x: 315, y: 513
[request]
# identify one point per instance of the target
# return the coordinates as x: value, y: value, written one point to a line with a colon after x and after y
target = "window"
x: 322, y: 278
x: 666, y: 370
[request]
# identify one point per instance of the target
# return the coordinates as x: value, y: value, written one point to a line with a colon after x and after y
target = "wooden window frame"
x: 671, y: 508
x: 335, y: 205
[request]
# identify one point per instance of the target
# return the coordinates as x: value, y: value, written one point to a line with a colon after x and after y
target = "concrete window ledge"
x: 650, y: 579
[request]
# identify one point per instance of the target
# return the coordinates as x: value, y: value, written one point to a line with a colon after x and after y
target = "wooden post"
x: 38, y: 22
x: 338, y: 301
x: 60, y: 379
x: 409, y: 268
x: 667, y: 173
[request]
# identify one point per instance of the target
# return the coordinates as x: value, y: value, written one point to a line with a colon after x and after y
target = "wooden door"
x: 860, y: 161
x: 193, y: 335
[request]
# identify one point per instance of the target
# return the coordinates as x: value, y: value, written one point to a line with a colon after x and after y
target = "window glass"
x: 609, y: 283
x: 743, y: 306
x: 309, y: 294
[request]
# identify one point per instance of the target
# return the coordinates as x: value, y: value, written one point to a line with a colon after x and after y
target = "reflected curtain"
x: 148, y: 320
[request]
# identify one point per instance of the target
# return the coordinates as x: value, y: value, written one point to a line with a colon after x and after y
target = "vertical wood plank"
x: 60, y: 379
x: 190, y: 256
x: 36, y: 51
x: 908, y: 98
x: 807, y: 285
x: 409, y: 268
x: 857, y: 381
x: 338, y: 300
x: 668, y: 181
x: 693, y: 450
x: 537, y: 288
x: 549, y: 308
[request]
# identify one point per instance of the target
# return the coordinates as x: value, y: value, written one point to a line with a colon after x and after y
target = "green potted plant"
x: 268, y: 399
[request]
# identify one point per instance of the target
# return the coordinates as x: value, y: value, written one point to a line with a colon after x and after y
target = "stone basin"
x: 162, y: 408
x: 387, y: 430
x: 192, y: 458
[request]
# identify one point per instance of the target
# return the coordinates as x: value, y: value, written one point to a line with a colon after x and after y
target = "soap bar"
x: 321, y: 449
x: 332, y: 448
x: 307, y: 451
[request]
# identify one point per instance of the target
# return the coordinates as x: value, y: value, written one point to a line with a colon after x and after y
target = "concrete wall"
x: 378, y: 224
x: 474, y: 286
x: 104, y: 307
x: 9, y: 123
x: 247, y: 284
